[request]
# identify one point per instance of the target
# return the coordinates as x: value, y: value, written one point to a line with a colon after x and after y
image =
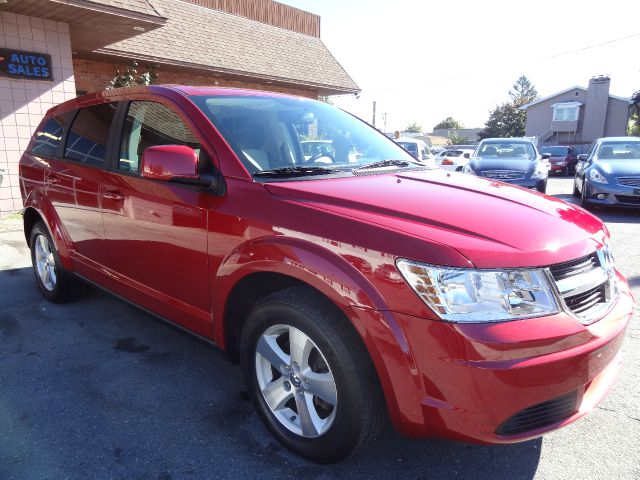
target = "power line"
x: 473, y: 74
x: 592, y: 46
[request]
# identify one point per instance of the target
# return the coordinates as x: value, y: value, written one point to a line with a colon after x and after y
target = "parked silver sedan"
x: 609, y: 174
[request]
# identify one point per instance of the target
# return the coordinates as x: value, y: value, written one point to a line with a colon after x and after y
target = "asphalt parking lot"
x: 99, y: 389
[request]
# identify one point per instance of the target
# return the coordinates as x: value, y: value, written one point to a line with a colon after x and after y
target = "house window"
x: 566, y: 112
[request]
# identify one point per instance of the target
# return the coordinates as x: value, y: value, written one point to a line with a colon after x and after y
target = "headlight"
x: 596, y: 176
x: 467, y: 169
x: 471, y: 295
x: 541, y: 171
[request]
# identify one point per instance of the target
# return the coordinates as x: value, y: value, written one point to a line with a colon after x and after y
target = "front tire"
x: 542, y: 187
x: 309, y: 375
x: 584, y: 202
x: 55, y: 283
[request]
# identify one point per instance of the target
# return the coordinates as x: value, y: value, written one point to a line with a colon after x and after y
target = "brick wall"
x: 93, y: 75
x: 24, y: 102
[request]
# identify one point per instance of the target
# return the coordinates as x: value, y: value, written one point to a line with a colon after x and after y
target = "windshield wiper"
x: 295, y: 171
x: 383, y: 163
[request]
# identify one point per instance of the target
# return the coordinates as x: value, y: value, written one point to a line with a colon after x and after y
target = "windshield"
x: 555, y: 151
x: 619, y: 150
x: 268, y: 132
x: 515, y: 150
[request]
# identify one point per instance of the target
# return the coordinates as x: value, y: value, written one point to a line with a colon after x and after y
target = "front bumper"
x: 612, y: 194
x: 465, y: 381
x: 532, y: 183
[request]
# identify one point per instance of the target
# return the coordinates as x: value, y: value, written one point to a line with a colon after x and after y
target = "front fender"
x: 317, y: 266
x: 340, y: 281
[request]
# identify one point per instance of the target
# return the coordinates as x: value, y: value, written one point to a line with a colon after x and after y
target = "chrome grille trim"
x: 503, y: 174
x: 629, y: 181
x: 586, y: 286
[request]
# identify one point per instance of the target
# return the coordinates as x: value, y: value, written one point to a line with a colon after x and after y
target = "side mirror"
x: 582, y: 157
x: 174, y: 163
x: 467, y: 155
x: 545, y: 156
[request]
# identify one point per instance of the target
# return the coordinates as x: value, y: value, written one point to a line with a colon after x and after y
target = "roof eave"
x: 121, y: 12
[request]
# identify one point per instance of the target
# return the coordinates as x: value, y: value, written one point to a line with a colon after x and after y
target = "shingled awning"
x: 205, y: 39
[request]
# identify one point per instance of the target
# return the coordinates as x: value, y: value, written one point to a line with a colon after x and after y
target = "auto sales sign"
x: 25, y: 65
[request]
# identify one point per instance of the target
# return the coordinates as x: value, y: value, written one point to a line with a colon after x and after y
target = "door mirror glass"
x: 545, y: 156
x: 582, y: 157
x: 170, y: 162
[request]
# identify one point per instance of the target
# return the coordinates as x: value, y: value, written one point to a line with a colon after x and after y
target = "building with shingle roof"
x: 53, y: 50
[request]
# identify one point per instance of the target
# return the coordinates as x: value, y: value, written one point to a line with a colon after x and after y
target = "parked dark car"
x: 609, y: 174
x: 510, y: 160
x: 352, y: 289
x: 562, y: 158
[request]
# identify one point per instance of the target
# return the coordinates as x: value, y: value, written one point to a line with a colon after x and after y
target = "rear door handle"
x: 52, y: 178
x: 113, y: 195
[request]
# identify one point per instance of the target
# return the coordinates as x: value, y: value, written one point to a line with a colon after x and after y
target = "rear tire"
x: 55, y: 283
x: 300, y: 352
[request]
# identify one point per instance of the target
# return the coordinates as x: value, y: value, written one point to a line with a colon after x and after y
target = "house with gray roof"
x: 578, y: 115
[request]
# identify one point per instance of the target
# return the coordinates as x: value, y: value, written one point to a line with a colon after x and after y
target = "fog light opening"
x: 601, y: 196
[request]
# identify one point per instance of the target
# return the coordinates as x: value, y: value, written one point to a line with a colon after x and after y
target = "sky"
x: 423, y: 61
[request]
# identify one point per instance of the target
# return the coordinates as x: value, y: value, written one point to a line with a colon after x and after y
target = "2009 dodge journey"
x: 355, y: 286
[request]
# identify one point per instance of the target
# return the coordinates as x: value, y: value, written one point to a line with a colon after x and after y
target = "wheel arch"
x: 38, y: 209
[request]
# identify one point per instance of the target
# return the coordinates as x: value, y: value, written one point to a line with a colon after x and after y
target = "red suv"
x: 353, y: 286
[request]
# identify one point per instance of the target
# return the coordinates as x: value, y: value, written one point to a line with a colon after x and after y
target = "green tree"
x: 507, y: 120
x: 448, y: 123
x: 458, y: 139
x: 131, y: 78
x: 414, y: 128
x: 523, y: 92
x: 634, y: 115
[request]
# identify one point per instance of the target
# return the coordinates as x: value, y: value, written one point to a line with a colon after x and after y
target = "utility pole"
x: 384, y: 116
x: 374, y: 114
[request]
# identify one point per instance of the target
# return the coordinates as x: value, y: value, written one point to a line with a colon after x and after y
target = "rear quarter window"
x: 49, y: 135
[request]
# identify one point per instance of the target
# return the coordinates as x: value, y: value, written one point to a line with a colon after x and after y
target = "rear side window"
x: 149, y: 124
x: 49, y: 135
x: 89, y: 134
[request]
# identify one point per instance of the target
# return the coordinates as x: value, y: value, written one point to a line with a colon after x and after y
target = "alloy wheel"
x: 295, y: 381
x: 45, y: 262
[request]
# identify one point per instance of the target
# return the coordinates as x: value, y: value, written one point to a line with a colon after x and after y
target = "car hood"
x: 503, y: 163
x: 619, y: 168
x: 492, y: 224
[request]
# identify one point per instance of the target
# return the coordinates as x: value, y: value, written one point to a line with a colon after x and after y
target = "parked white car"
x: 454, y: 159
x: 417, y: 148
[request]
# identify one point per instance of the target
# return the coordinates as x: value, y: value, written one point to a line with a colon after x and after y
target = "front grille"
x: 584, y: 301
x: 629, y: 181
x: 503, y: 174
x: 574, y: 267
x: 540, y: 416
x: 586, y: 285
x: 628, y: 199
